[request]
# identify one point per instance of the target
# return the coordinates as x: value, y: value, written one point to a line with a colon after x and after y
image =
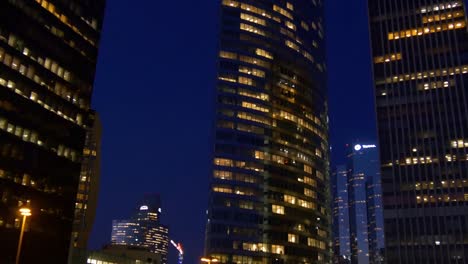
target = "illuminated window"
x: 224, y: 162
x: 253, y: 19
x: 222, y: 189
x: 228, y: 55
x: 277, y: 209
x: 290, y: 25
x: 289, y: 199
x: 277, y: 249
x: 293, y: 238
x: 252, y: 71
x: 252, y: 29
x: 263, y: 53
x: 290, y: 6
x: 307, y: 168
x: 310, y: 193
x: 282, y: 12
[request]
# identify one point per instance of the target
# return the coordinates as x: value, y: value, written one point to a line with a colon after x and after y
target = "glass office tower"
x: 420, y: 51
x: 340, y: 223
x: 269, y: 199
x: 48, y: 53
x: 357, y: 208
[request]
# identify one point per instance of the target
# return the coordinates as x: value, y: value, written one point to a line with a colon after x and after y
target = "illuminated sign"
x: 143, y: 207
x: 358, y: 147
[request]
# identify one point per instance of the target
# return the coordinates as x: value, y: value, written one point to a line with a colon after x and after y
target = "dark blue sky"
x: 154, y: 92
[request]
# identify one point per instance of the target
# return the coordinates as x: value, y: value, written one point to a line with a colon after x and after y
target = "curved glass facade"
x: 269, y: 199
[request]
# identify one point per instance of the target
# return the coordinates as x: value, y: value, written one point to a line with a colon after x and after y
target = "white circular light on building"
x: 143, y: 207
x: 357, y: 147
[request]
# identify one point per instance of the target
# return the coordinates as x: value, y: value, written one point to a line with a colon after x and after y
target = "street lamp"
x: 25, y: 212
x: 209, y: 260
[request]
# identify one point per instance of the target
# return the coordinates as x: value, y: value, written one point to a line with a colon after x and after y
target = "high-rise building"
x: 357, y: 196
x: 365, y: 204
x: 269, y: 200
x: 420, y: 61
x: 48, y: 54
x: 144, y: 229
x: 86, y: 198
x: 340, y: 209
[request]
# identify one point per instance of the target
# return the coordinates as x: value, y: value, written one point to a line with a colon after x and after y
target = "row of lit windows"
x: 256, y: 107
x: 283, y: 12
x: 32, y: 136
x: 252, y: 71
x: 41, y: 101
x: 96, y: 261
x: 239, y: 164
x: 253, y: 19
x: 251, y: 94
x: 242, y: 58
x: 62, y: 17
x: 250, y: 8
x: 443, y: 184
x: 441, y: 17
x: 308, y: 181
x: 426, y: 30
x: 442, y: 198
x: 254, y: 118
x: 387, y: 58
x: 252, y: 29
x: 262, y: 247
x: 229, y: 175
x: 264, y: 53
x: 423, y: 75
x: 236, y: 190
x: 241, y: 127
x: 296, y: 201
x: 461, y: 143
x: 436, y: 85
x: 442, y: 6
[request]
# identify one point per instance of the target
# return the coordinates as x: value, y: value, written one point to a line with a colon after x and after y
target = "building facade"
x: 357, y: 194
x: 144, y: 229
x: 48, y: 53
x: 269, y: 197
x: 88, y: 188
x: 420, y: 53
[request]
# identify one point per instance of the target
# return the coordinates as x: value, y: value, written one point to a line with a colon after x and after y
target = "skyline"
x: 156, y: 62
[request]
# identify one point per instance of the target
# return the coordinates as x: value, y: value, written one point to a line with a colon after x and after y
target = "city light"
x: 25, y: 212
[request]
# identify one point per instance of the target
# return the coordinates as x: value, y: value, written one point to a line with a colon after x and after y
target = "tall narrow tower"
x: 420, y: 50
x: 269, y: 199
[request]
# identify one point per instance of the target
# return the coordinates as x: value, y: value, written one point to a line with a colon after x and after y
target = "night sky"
x: 155, y: 94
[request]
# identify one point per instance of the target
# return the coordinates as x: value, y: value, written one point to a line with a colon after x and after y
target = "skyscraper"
x: 48, y: 53
x: 365, y: 204
x: 420, y: 51
x: 357, y: 196
x: 340, y: 209
x: 269, y: 200
x: 144, y: 228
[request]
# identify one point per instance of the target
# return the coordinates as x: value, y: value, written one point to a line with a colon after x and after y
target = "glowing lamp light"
x: 25, y: 211
x: 143, y: 208
x: 357, y: 147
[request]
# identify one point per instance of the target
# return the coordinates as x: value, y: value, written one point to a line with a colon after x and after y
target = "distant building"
x: 357, y: 195
x: 340, y: 210
x: 116, y: 254
x: 143, y: 229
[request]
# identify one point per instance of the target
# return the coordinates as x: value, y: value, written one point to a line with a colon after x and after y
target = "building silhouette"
x: 420, y: 67
x: 269, y: 191
x: 48, y: 54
